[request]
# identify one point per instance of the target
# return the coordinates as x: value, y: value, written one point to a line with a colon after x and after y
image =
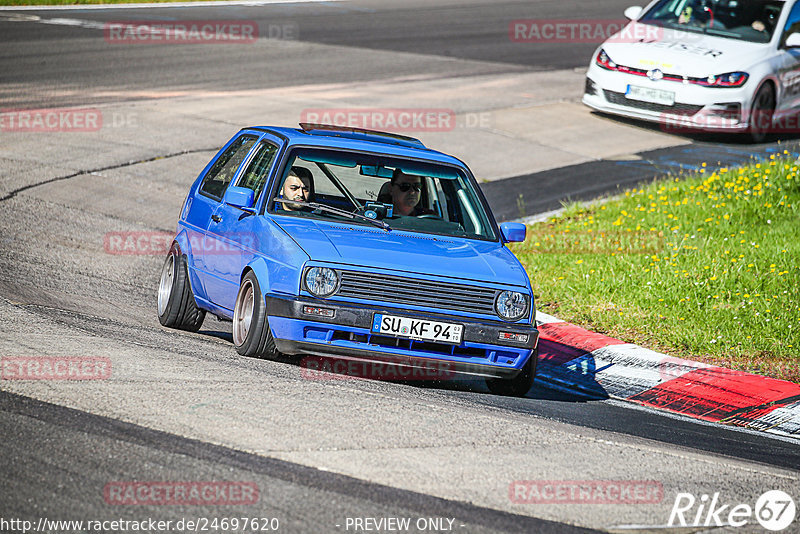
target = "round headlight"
x: 511, y: 305
x: 321, y: 281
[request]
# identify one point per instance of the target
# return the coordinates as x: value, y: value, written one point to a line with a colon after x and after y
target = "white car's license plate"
x: 646, y: 94
x: 420, y: 329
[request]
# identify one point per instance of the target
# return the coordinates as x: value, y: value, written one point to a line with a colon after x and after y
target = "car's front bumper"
x: 696, y: 108
x: 348, y: 334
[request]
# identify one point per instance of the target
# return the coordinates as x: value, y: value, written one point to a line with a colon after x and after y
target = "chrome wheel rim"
x: 243, y: 313
x: 165, y: 285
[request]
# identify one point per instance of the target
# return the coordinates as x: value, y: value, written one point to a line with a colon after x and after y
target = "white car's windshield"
x: 391, y: 193
x: 745, y: 20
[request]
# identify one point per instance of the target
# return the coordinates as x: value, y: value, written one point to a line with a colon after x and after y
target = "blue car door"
x: 207, y: 199
x: 231, y: 238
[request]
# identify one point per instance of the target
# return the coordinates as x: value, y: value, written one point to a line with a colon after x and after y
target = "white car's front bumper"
x: 696, y: 107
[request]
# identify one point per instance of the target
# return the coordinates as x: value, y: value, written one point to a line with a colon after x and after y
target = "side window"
x: 219, y: 175
x: 792, y: 23
x: 255, y: 177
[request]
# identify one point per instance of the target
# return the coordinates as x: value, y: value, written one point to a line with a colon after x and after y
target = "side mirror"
x: 240, y: 197
x: 513, y: 232
x: 633, y: 12
x: 793, y: 41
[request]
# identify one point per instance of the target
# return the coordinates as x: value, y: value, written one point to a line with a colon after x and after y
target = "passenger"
x: 406, y: 194
x: 299, y: 185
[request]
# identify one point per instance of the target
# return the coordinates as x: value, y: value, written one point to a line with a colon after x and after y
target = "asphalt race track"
x: 325, y: 455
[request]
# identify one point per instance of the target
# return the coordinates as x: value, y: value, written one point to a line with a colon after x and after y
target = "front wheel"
x: 251, y: 333
x: 761, y: 113
x: 520, y: 384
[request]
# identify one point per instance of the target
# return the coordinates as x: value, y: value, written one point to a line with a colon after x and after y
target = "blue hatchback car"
x: 354, y: 244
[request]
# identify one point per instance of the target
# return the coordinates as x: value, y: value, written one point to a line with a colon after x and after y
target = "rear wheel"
x: 176, y: 305
x: 251, y: 333
x: 761, y: 113
x: 520, y: 384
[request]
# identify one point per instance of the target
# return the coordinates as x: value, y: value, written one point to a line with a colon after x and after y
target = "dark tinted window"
x: 746, y: 20
x: 256, y: 174
x: 792, y: 23
x: 220, y: 174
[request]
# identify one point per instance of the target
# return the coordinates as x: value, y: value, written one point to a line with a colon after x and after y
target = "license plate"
x: 646, y: 94
x: 419, y: 329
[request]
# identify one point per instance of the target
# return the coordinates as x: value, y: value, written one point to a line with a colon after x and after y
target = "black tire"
x: 761, y: 113
x: 251, y: 332
x: 520, y: 384
x: 176, y: 305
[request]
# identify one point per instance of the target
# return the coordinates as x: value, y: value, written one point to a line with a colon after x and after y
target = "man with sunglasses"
x: 406, y: 193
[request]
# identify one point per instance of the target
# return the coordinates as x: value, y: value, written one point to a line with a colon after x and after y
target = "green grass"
x: 704, y: 266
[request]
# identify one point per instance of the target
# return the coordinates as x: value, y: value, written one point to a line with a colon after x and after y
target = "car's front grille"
x: 406, y: 291
x: 676, y: 109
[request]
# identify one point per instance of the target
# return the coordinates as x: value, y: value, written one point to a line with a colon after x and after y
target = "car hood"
x: 684, y: 53
x: 406, y: 252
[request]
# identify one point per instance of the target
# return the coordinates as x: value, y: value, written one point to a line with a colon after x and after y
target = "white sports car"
x: 703, y: 65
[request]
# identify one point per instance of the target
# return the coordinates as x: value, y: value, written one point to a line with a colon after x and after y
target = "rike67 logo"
x: 775, y: 510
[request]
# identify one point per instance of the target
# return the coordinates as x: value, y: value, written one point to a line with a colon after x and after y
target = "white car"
x: 703, y: 65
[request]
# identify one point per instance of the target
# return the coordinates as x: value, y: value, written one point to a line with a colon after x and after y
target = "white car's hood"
x: 686, y: 54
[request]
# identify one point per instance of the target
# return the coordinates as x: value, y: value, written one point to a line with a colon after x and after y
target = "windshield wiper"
x: 336, y: 211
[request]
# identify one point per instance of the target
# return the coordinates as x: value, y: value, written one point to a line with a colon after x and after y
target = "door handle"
x: 216, y: 218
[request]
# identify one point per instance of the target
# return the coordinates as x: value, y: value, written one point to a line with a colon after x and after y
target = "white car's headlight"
x: 729, y: 79
x: 603, y: 60
x: 321, y: 281
x: 511, y: 305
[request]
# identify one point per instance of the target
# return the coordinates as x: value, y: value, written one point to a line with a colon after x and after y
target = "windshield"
x: 745, y: 20
x: 390, y: 193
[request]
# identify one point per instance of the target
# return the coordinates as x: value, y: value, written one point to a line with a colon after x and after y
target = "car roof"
x: 328, y: 136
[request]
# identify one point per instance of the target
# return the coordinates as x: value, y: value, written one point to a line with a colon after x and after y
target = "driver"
x: 406, y: 193
x: 700, y: 13
x: 299, y: 185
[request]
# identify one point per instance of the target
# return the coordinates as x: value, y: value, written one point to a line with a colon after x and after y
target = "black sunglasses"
x: 405, y: 186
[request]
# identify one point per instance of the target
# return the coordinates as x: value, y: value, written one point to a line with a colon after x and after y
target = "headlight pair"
x: 322, y: 282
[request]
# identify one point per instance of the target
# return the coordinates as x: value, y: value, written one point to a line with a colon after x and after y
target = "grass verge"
x: 704, y: 266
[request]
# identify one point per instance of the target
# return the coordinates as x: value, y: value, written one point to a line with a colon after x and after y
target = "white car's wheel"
x: 761, y: 113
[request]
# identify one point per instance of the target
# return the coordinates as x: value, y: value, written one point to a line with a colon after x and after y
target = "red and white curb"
x: 577, y: 360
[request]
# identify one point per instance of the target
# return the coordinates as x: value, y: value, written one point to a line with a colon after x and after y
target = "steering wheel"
x: 429, y: 216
